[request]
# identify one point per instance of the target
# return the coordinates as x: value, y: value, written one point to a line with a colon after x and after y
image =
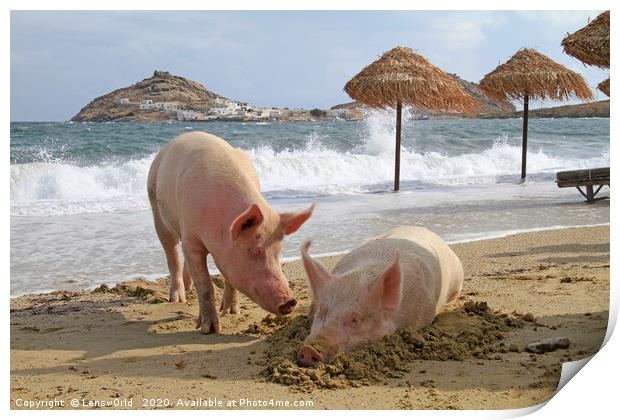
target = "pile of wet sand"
x: 472, y: 331
x: 130, y: 290
x: 268, y: 325
x: 150, y: 291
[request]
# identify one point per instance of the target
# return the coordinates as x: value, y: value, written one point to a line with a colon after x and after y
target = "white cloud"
x: 464, y: 31
x: 460, y: 35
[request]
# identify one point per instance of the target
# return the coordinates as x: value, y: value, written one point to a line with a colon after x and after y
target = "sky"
x: 61, y: 60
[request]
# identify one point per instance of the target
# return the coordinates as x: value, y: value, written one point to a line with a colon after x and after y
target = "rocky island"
x: 153, y: 99
x: 164, y: 96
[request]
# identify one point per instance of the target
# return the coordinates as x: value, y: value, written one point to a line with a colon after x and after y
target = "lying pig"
x: 403, y: 278
x: 206, y: 195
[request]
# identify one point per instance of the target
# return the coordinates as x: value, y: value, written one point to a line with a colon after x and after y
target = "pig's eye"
x: 353, y: 319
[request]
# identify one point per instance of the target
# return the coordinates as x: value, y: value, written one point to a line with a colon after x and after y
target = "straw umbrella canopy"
x: 531, y: 75
x: 590, y: 44
x: 604, y: 86
x: 401, y: 76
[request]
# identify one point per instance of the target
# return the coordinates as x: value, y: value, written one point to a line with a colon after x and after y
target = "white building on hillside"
x: 166, y: 106
x: 146, y: 104
x: 222, y: 107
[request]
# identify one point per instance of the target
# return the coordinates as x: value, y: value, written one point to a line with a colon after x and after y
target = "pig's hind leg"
x: 230, y: 301
x: 172, y: 248
x: 196, y: 263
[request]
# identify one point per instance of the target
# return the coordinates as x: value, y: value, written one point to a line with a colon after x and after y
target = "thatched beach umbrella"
x: 531, y: 75
x: 590, y: 44
x: 604, y: 86
x: 400, y: 77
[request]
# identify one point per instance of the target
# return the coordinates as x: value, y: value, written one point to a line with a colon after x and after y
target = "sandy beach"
x: 128, y: 345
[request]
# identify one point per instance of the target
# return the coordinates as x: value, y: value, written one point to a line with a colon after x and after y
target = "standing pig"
x: 206, y: 194
x: 403, y: 278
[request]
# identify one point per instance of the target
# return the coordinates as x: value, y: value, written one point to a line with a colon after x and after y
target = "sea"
x: 80, y: 216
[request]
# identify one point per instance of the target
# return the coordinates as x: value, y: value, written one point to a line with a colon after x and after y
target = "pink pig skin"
x: 402, y: 278
x: 206, y: 199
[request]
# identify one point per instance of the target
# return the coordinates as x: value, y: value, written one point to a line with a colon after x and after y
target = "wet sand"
x: 128, y: 344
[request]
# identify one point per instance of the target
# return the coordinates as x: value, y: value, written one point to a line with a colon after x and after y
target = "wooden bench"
x: 584, y: 178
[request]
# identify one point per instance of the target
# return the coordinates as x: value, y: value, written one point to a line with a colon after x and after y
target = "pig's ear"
x: 292, y: 221
x: 317, y: 274
x: 387, y: 288
x: 248, y: 221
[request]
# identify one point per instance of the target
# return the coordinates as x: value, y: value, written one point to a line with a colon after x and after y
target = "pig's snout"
x: 308, y: 356
x: 287, y: 307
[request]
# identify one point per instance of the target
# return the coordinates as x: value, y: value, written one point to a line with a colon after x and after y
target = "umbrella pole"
x: 526, y: 101
x: 397, y: 150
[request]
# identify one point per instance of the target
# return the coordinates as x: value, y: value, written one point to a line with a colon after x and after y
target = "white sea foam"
x: 321, y: 170
x: 62, y: 188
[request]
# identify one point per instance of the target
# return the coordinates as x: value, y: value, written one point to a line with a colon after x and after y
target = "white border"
x: 592, y: 394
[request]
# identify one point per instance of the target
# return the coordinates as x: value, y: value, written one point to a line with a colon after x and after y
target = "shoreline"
x: 155, y: 276
x: 130, y: 343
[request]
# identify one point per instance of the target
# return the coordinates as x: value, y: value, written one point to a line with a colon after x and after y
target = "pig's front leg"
x: 230, y: 301
x: 196, y: 258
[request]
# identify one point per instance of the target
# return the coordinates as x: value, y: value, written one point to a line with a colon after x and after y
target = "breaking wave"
x: 58, y: 187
